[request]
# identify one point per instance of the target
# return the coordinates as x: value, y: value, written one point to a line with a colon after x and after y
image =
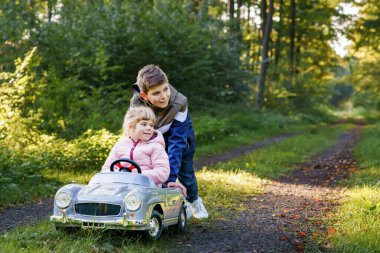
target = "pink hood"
x: 150, y: 155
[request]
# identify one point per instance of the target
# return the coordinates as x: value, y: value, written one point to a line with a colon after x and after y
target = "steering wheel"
x: 135, y: 165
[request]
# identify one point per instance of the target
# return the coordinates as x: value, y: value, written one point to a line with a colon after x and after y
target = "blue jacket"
x: 175, y: 124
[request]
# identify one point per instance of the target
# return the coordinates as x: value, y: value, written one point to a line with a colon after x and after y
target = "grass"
x: 281, y: 158
x: 357, y: 220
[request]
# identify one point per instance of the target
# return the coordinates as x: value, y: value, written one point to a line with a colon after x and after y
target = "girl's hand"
x: 179, y: 185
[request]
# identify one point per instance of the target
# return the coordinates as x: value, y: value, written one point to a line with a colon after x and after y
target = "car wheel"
x: 155, y: 227
x: 182, y: 220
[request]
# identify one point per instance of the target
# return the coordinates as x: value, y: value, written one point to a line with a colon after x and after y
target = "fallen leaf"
x: 300, y: 247
x: 301, y: 234
x: 331, y: 231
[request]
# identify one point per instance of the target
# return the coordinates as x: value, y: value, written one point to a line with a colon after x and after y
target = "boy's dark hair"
x: 150, y: 76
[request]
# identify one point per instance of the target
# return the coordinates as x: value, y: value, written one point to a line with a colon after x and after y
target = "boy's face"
x: 159, y: 95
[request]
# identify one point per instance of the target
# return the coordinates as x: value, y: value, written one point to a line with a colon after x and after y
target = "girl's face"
x: 143, y: 130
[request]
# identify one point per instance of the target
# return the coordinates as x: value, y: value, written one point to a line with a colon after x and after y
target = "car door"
x: 173, y: 199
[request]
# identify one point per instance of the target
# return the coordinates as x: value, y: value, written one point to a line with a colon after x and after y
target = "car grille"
x: 93, y: 225
x: 97, y: 209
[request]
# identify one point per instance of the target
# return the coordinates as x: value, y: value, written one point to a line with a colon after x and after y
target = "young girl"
x: 142, y: 144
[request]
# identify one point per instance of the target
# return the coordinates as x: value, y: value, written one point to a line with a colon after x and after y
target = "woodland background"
x: 67, y: 66
x: 247, y: 67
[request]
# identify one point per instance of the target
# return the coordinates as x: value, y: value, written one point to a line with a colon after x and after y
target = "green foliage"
x: 364, y: 75
x: 89, y: 54
x: 39, y: 169
x: 17, y: 19
x: 27, y: 153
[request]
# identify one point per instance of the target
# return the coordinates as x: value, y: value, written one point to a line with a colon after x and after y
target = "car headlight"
x: 63, y: 199
x: 132, y: 202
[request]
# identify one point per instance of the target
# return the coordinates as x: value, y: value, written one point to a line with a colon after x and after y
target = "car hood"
x: 105, y: 192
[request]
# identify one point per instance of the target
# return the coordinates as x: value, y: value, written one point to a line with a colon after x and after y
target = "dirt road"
x: 288, y: 217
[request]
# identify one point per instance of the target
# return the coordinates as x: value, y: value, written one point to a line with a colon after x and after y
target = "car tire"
x: 182, y: 220
x: 155, y: 227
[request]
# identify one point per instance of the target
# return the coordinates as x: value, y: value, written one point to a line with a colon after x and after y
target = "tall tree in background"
x: 279, y: 32
x: 264, y: 57
x: 292, y: 36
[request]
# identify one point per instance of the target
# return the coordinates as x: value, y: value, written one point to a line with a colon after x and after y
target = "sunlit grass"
x: 280, y: 158
x: 222, y: 190
x: 357, y: 220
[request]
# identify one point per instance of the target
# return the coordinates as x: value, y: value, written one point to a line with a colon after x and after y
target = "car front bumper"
x: 94, y: 222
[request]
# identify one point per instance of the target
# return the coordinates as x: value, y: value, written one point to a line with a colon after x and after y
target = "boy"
x: 173, y: 121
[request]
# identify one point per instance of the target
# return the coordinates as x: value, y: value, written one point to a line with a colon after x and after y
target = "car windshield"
x: 121, y: 177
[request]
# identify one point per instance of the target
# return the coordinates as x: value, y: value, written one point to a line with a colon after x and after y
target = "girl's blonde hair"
x: 134, y: 115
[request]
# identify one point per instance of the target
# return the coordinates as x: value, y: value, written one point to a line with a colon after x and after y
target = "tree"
x: 264, y: 58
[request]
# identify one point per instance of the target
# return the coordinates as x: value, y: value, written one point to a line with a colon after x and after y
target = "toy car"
x: 120, y: 200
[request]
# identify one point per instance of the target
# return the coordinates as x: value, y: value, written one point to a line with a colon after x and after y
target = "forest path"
x: 20, y: 215
x: 288, y: 217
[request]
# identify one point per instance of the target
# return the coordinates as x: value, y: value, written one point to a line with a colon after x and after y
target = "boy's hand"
x: 179, y: 185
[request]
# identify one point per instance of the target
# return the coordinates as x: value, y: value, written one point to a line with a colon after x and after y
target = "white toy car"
x: 120, y: 200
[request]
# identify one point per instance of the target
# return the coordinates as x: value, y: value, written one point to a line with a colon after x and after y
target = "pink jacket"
x: 150, y: 155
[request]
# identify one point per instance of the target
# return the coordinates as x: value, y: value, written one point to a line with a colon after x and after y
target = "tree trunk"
x: 292, y: 38
x: 297, y: 58
x: 238, y: 16
x: 231, y: 9
x: 260, y: 36
x: 49, y: 10
x: 263, y: 14
x: 264, y: 59
x: 279, y: 33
